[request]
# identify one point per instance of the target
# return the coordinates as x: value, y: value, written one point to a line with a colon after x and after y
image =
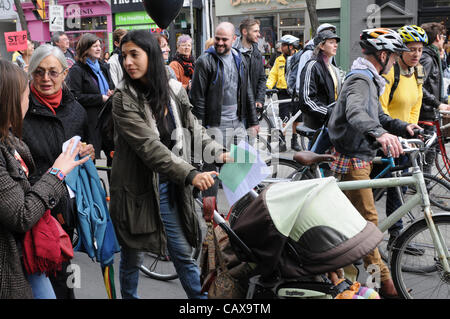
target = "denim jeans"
x: 41, y: 286
x: 179, y: 249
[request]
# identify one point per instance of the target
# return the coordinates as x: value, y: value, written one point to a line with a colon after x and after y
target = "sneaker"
x: 411, y: 249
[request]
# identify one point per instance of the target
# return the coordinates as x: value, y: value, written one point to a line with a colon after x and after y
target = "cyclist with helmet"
x: 402, y: 99
x: 358, y: 119
x: 277, y: 78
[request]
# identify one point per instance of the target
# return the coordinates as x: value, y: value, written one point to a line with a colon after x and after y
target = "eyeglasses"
x: 52, y: 73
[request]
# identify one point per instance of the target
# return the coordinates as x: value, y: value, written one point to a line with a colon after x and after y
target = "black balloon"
x: 163, y: 12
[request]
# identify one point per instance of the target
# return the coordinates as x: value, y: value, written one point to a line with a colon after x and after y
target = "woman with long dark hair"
x: 152, y: 179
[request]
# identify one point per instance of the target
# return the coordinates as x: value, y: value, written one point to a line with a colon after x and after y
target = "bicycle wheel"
x: 438, y: 191
x: 430, y: 284
x: 161, y: 268
x: 282, y: 168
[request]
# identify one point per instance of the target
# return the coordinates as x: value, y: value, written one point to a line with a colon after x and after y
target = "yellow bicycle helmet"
x: 413, y: 33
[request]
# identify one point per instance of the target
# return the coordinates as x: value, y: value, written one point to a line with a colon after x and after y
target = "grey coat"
x: 140, y: 156
x: 359, y: 117
x: 21, y: 207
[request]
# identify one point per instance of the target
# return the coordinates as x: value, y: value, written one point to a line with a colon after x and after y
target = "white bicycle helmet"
x: 326, y: 26
x: 290, y: 39
x: 382, y: 39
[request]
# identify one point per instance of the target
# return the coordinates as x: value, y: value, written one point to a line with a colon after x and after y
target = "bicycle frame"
x: 420, y: 198
x: 441, y: 139
x: 276, y: 119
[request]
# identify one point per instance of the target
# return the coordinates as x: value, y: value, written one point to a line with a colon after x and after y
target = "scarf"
x: 46, y: 246
x: 102, y: 82
x: 187, y: 63
x: 50, y: 101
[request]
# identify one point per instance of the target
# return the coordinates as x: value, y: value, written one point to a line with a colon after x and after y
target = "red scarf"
x: 46, y: 246
x: 51, y: 101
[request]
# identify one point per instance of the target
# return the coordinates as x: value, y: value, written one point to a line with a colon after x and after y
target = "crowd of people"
x: 162, y: 105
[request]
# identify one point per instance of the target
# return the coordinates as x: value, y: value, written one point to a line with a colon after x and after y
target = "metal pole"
x: 192, y: 25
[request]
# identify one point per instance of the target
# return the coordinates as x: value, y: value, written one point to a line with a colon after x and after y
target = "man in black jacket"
x: 433, y: 87
x: 247, y: 44
x: 220, y: 95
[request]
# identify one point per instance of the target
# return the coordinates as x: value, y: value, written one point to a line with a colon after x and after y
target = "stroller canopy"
x: 306, y: 227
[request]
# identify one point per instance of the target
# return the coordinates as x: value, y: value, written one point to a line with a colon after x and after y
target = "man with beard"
x: 247, y: 44
x: 220, y: 96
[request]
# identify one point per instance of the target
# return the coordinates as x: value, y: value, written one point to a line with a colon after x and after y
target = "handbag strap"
x: 222, y: 264
x: 211, y: 247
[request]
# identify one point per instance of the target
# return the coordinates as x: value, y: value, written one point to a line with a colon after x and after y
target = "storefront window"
x: 91, y: 23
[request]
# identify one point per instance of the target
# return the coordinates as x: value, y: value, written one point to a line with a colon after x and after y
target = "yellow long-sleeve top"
x: 277, y: 74
x: 407, y: 99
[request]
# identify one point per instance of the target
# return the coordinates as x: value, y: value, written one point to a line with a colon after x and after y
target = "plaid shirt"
x: 343, y: 163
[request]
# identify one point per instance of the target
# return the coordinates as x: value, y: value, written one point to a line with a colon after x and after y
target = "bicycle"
x: 438, y: 189
x: 430, y: 233
x: 272, y: 127
x: 442, y: 160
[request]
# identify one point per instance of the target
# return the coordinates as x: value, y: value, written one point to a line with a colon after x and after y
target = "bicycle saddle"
x: 308, y: 158
x: 305, y: 131
x: 271, y: 92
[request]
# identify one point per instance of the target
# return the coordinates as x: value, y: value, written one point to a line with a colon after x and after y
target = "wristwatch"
x: 57, y: 172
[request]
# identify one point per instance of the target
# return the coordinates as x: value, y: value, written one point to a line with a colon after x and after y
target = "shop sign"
x: 239, y: 7
x: 137, y: 5
x: 130, y: 18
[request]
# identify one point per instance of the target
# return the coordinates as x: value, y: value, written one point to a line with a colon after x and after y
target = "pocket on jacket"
x: 139, y: 213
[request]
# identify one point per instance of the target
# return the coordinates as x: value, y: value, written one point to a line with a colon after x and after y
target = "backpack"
x: 105, y: 125
x: 419, y: 74
x: 292, y: 69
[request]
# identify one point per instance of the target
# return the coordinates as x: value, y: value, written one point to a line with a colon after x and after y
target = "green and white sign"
x: 133, y: 18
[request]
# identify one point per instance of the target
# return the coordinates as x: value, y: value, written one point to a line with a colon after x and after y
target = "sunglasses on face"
x: 52, y: 73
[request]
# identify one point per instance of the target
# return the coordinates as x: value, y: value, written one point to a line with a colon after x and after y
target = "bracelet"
x: 57, y: 172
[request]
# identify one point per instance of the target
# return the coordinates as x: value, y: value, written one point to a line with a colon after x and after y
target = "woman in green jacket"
x: 152, y: 179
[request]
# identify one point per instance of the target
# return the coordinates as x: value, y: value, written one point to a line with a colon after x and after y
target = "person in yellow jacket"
x: 277, y: 78
x: 402, y: 99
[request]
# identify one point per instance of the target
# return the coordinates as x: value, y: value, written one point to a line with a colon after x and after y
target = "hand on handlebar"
x: 414, y: 130
x: 390, y: 143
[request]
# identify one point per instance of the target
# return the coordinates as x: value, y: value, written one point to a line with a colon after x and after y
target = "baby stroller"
x: 293, y: 234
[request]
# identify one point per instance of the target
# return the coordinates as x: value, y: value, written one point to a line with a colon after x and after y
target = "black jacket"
x: 82, y: 82
x: 433, y: 84
x: 256, y: 71
x: 207, y: 91
x: 45, y: 133
x: 317, y: 92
